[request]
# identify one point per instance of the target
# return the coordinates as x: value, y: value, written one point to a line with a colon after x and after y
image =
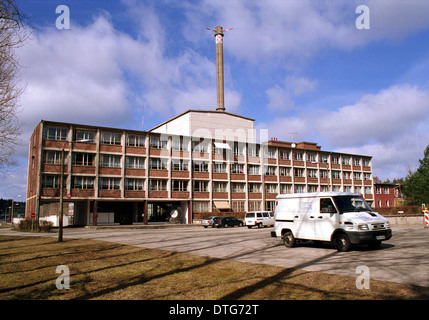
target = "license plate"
x: 380, y: 237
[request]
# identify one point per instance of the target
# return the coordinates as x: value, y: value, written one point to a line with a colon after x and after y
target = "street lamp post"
x: 60, y: 222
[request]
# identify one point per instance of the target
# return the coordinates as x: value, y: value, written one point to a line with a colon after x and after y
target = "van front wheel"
x: 342, y: 242
x: 288, y: 239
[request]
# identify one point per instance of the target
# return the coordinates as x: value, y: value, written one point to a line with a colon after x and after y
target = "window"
x: 336, y: 174
x: 299, y: 188
x: 200, y: 206
x: 180, y: 165
x: 179, y: 185
x: 299, y: 172
x: 83, y: 159
x: 270, y: 170
x: 326, y: 206
x: 284, y: 171
x: 79, y: 182
x: 135, y: 141
x: 270, y: 205
x: 346, y: 160
x: 386, y: 190
x: 285, y: 188
x: 311, y: 157
x: 134, y: 162
x: 200, y: 186
x: 346, y: 175
x: 335, y: 159
x: 220, y: 186
x: 50, y: 181
x: 313, y: 188
x: 366, y: 162
x: 109, y: 183
x: 238, y: 205
x: 323, y: 174
x: 158, y: 163
x: 219, y: 167
x: 134, y: 184
x: 356, y: 161
x: 368, y: 190
x: 357, y: 175
x: 237, y: 168
x: 83, y: 135
x: 367, y: 176
x: 253, y: 169
x: 312, y: 173
x: 111, y: 138
x: 158, y: 143
x: 253, y: 150
x: 238, y: 187
x: 255, y: 205
x: 378, y: 190
x: 255, y: 187
x: 298, y: 156
x: 200, y: 166
x: 284, y: 154
x: 358, y: 190
x: 323, y: 158
x: 179, y: 144
x: 157, y: 185
x: 238, y: 149
x: 52, y: 133
x: 52, y: 157
x: 110, y: 160
x: 270, y: 153
x: 270, y: 188
x: 200, y: 146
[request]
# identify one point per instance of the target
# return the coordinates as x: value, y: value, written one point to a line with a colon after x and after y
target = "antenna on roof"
x: 219, y: 31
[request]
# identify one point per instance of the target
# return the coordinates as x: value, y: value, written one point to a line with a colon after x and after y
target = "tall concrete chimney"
x: 219, y: 68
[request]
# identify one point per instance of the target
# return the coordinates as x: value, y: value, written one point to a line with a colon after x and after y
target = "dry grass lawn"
x: 103, y: 270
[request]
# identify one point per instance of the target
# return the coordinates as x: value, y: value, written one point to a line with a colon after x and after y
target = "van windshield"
x: 351, y: 204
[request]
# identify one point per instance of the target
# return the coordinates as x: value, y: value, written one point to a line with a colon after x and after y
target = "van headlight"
x: 387, y: 225
x: 363, y: 227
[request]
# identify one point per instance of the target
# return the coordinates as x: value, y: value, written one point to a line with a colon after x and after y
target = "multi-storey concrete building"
x: 197, y: 162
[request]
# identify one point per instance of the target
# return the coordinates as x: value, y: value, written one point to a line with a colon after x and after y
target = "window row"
x: 182, y: 144
x: 82, y: 135
x: 137, y: 184
x: 134, y: 162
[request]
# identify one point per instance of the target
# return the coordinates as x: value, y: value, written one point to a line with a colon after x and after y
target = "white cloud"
x: 391, y: 126
x: 293, y: 31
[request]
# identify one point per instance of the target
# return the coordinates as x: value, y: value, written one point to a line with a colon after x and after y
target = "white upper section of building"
x: 207, y: 124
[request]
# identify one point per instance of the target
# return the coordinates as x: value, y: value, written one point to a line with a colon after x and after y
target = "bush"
x: 31, y: 225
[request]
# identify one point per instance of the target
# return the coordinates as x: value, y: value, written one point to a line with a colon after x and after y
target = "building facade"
x: 387, y: 195
x: 176, y: 171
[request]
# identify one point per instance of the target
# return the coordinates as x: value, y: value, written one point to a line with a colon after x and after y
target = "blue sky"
x: 300, y: 68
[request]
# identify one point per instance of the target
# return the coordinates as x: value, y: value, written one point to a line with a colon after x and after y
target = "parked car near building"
x: 259, y: 219
x: 208, y: 222
x: 227, y: 222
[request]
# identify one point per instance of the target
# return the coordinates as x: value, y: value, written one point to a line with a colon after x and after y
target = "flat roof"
x: 315, y: 194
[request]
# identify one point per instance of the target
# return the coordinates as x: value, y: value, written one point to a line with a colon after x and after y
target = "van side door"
x: 326, y: 221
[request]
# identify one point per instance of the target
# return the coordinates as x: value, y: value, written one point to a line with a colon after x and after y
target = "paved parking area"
x: 404, y: 258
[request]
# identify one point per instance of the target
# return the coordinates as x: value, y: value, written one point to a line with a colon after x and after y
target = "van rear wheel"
x: 288, y: 239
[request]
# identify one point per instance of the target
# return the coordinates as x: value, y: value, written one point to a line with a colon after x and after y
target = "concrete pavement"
x: 403, y: 259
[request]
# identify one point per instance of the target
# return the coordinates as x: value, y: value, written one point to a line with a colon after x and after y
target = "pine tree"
x: 416, y: 186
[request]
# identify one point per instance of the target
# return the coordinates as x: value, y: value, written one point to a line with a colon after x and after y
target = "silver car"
x: 208, y: 222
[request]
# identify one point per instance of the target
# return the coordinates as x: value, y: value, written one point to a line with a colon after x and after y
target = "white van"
x: 259, y: 219
x: 339, y: 217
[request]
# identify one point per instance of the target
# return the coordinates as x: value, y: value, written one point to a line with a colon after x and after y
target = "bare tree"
x: 12, y: 36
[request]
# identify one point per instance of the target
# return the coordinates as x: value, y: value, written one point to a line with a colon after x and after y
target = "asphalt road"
x: 404, y: 258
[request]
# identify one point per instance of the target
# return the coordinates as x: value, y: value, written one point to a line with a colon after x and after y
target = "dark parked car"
x: 226, y: 222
